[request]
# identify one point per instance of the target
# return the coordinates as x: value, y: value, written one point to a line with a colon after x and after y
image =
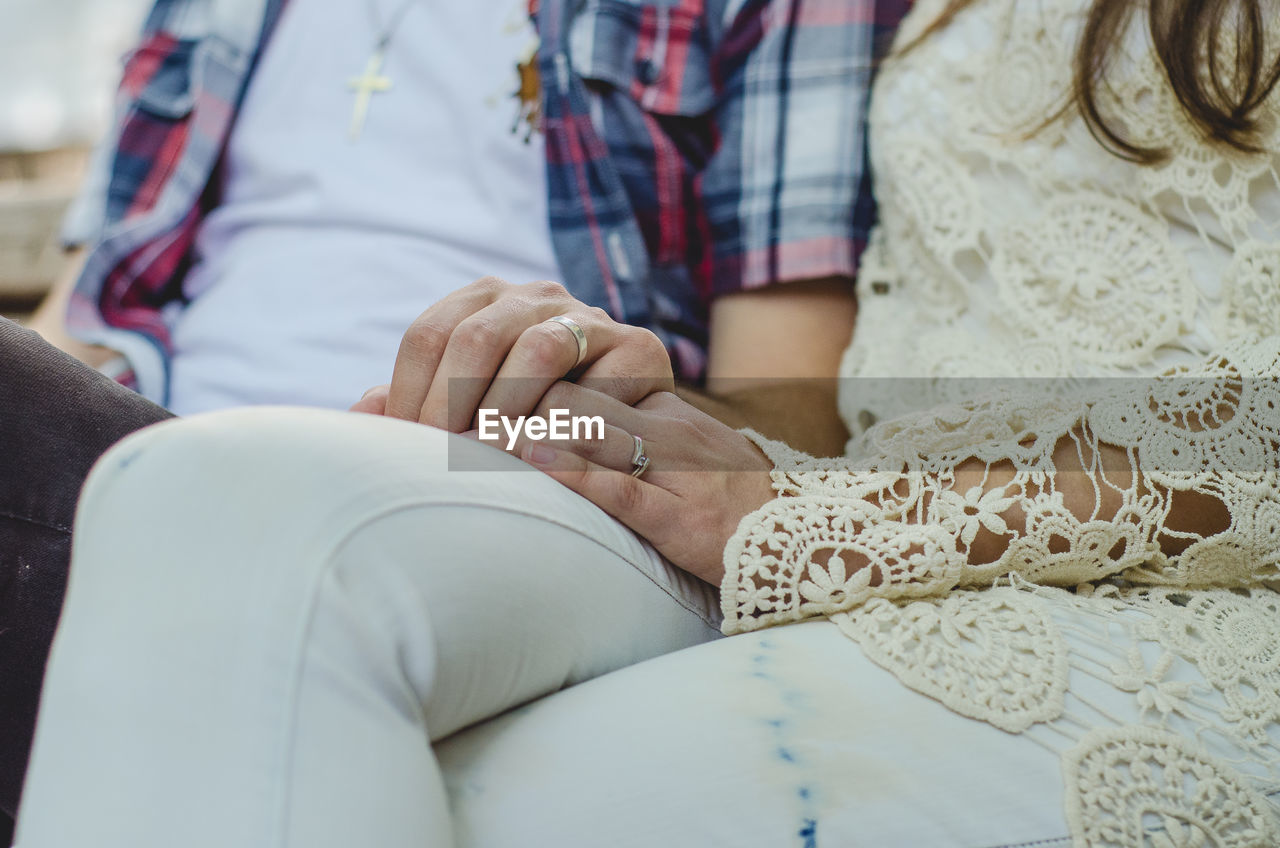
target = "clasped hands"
x: 491, y: 346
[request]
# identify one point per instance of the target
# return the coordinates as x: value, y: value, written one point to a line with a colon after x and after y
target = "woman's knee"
x: 286, y: 449
x: 270, y: 465
x: 276, y: 491
x: 234, y: 507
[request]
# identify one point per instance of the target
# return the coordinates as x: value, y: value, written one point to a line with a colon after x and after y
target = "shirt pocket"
x: 657, y: 52
x: 156, y: 100
x: 158, y: 76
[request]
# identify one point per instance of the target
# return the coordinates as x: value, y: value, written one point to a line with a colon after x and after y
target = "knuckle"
x: 543, y: 407
x: 642, y: 338
x: 599, y: 316
x: 589, y: 449
x: 645, y: 346
x: 490, y: 285
x: 547, y: 290
x: 476, y: 334
x: 423, y: 340
x: 544, y: 348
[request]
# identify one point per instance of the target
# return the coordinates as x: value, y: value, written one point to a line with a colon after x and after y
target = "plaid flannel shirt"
x: 694, y: 148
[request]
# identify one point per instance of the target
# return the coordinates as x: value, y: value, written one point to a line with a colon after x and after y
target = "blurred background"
x: 59, y: 64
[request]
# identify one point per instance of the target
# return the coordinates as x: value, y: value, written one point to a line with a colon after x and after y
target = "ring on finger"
x: 639, y: 459
x: 578, y: 336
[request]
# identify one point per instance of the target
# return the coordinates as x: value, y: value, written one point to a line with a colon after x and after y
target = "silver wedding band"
x: 578, y: 336
x: 639, y: 459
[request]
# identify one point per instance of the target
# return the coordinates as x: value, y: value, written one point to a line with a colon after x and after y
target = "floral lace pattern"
x: 1135, y: 494
x: 1234, y: 641
x: 841, y: 535
x: 1251, y: 292
x: 1086, y: 265
x: 1122, y: 779
x: 997, y: 659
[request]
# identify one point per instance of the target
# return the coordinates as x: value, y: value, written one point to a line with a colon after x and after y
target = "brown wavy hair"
x: 1220, y: 91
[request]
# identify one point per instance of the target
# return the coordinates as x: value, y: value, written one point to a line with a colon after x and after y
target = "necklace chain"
x: 373, y: 81
x: 384, y: 35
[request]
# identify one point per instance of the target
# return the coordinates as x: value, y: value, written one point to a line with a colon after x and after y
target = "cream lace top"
x: 1122, y: 326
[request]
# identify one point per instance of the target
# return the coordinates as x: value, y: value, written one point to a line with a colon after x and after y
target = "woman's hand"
x: 495, y: 336
x: 702, y: 477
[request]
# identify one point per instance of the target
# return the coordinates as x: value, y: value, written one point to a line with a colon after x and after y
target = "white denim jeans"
x: 272, y: 612
x: 276, y: 617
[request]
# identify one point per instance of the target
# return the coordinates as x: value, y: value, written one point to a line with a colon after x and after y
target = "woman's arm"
x: 1164, y: 481
x: 1169, y: 481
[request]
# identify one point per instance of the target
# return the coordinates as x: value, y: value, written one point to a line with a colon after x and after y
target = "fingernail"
x: 470, y: 434
x: 541, y: 455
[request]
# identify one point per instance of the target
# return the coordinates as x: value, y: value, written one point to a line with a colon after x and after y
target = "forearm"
x: 1097, y: 483
x: 773, y: 360
x: 802, y: 413
x: 49, y: 319
x: 1055, y: 492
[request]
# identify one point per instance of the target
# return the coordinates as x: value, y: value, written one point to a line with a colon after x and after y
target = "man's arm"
x: 773, y: 362
x: 789, y: 226
x: 49, y: 319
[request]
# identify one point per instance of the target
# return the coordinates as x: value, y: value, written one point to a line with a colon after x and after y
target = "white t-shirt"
x: 324, y: 249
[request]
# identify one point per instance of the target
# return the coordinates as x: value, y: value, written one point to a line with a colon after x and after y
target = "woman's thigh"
x: 788, y: 737
x: 277, y: 608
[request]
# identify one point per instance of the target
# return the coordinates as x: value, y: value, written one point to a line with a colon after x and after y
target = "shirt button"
x: 647, y: 72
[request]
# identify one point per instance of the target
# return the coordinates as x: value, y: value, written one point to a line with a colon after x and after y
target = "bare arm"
x: 773, y: 359
x: 49, y: 318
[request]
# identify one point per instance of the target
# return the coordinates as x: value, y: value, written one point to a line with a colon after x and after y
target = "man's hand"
x: 496, y: 336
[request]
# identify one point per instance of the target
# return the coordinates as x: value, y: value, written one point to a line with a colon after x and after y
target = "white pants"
x: 273, y: 613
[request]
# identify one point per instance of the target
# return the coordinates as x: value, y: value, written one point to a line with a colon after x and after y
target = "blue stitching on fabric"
x: 1056, y: 840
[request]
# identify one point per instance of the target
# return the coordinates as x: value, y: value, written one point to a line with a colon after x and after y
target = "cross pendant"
x: 365, y: 86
